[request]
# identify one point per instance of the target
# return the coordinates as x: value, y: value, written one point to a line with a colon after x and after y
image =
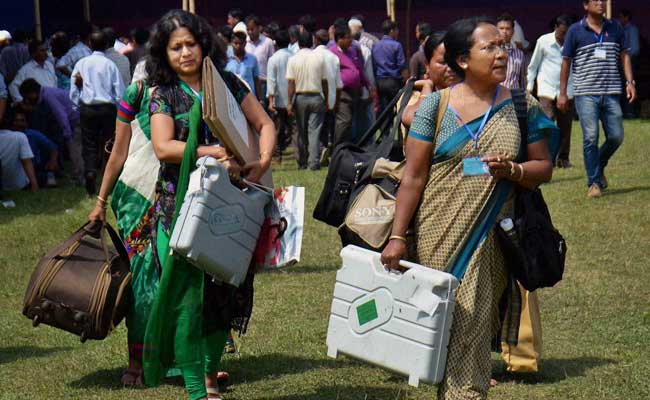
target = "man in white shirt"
x: 66, y: 64
x: 97, y: 99
x: 307, y: 79
x: 544, y: 68
x: 120, y: 60
x: 236, y: 20
x: 261, y: 47
x: 39, y: 68
x: 334, y: 87
x: 277, y: 92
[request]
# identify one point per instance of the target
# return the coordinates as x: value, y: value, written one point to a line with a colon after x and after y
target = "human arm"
x: 62, y: 65
x: 630, y: 87
x: 3, y: 108
x: 414, y: 179
x: 563, y: 98
x: 113, y: 168
x: 271, y: 84
x: 533, y: 67
x: 75, y: 89
x: 256, y: 81
x: 28, y: 166
x: 261, y: 122
x: 15, y: 85
x: 165, y: 145
x: 291, y: 85
x: 326, y: 90
x: 59, y: 111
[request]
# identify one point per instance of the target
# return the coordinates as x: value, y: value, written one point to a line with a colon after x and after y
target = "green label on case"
x: 367, y: 312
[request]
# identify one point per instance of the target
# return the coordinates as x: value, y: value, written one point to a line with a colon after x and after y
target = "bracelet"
x: 265, y: 152
x: 512, y: 168
x: 632, y: 82
x: 521, y: 172
x: 100, y: 198
x: 397, y: 237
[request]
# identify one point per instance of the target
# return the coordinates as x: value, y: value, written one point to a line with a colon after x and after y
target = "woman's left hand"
x: 255, y: 170
x: 500, y: 167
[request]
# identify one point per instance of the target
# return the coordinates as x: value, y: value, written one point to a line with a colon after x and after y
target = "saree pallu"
x: 454, y: 232
x: 132, y: 203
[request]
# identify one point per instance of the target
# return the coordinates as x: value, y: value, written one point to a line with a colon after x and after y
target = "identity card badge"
x: 473, y: 166
x: 600, y: 53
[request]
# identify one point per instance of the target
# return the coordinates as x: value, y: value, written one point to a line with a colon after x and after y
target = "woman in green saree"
x: 191, y: 314
x: 457, y: 196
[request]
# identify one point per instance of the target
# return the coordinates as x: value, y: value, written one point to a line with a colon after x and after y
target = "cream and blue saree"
x: 455, y: 223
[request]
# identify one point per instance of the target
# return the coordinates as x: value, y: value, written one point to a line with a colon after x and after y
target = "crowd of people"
x: 90, y: 94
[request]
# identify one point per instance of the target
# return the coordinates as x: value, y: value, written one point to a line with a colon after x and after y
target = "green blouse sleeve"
x: 424, y: 123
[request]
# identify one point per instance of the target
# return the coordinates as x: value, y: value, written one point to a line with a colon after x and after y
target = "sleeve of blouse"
x: 540, y: 126
x: 236, y: 86
x: 424, y: 122
x: 160, y: 102
x: 126, y: 107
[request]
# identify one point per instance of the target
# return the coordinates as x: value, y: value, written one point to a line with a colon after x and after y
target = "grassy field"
x: 596, y: 322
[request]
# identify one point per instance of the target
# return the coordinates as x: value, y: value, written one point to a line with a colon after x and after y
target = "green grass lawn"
x: 596, y: 322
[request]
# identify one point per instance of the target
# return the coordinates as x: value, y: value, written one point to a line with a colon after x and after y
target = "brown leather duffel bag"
x: 82, y: 285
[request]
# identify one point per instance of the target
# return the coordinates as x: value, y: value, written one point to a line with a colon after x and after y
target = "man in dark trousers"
x: 353, y: 78
x: 389, y: 64
x: 100, y: 91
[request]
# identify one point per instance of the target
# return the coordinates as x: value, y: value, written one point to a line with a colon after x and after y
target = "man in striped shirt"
x: 595, y: 48
x: 516, y: 73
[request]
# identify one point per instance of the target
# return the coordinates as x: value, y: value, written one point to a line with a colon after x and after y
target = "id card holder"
x: 473, y: 166
x: 600, y: 53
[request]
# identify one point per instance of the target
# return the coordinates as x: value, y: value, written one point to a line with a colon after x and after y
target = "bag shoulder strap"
x: 138, y: 100
x: 442, y: 107
x: 521, y: 110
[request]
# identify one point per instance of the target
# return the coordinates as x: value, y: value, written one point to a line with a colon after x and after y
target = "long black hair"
x: 460, y: 39
x: 157, y: 67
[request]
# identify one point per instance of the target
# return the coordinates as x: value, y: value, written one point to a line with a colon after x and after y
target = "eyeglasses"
x: 598, y: 1
x: 493, y: 48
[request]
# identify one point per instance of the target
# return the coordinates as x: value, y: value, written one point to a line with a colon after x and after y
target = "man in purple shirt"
x: 354, y: 79
x: 389, y: 64
x: 57, y: 102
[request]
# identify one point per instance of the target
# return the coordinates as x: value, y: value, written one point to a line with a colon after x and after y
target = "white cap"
x: 354, y: 22
x: 4, y: 35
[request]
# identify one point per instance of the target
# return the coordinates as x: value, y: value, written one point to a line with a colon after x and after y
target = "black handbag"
x: 536, y: 254
x: 351, y: 164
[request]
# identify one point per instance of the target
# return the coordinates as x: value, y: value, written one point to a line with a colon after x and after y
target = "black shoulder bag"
x: 351, y: 164
x: 536, y: 257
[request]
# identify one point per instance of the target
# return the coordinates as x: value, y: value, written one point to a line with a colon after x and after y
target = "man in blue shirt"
x: 389, y: 64
x: 46, y: 152
x: 596, y: 48
x: 244, y: 64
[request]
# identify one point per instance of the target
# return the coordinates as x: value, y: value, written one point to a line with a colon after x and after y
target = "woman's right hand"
x: 393, y: 253
x: 218, y: 152
x: 97, y: 214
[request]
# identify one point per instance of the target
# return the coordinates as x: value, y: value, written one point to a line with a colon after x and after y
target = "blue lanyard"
x: 476, y: 135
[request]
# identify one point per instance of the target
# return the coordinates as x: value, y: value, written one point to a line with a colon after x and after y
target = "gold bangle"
x: 397, y: 237
x: 265, y: 152
x: 100, y: 198
x: 512, y: 168
x: 521, y: 173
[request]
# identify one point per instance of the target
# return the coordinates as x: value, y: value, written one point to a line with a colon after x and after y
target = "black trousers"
x: 387, y: 89
x: 97, y: 127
